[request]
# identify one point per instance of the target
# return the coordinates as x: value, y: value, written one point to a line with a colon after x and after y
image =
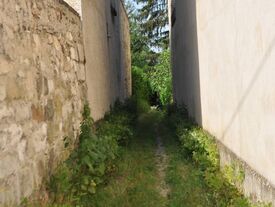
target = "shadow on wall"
x: 185, y: 57
x: 106, y: 31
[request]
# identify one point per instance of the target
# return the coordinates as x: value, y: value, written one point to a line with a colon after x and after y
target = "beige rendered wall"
x: 107, y: 50
x: 125, y: 44
x: 223, y: 65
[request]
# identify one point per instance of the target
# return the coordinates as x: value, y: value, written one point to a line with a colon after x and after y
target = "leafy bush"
x: 161, y: 78
x: 77, y: 179
x: 201, y: 147
x: 141, y: 90
x: 141, y: 85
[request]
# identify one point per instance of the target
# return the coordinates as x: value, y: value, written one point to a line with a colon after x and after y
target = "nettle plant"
x: 77, y: 179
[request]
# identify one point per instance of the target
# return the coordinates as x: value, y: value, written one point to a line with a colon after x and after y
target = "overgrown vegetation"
x: 135, y: 183
x: 114, y: 162
x: 161, y: 78
x: 201, y: 148
x: 76, y: 181
x: 141, y: 90
x: 150, y: 56
x: 153, y: 18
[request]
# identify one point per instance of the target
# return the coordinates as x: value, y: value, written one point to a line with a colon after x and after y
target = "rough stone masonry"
x: 42, y: 91
x: 46, y: 77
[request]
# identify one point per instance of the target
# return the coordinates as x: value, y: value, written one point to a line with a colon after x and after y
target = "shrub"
x: 201, y: 147
x: 77, y: 179
x: 141, y: 91
x: 161, y: 78
x: 141, y: 85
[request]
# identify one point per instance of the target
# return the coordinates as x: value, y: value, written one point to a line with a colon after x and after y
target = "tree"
x: 142, y: 54
x: 150, y: 69
x: 153, y: 15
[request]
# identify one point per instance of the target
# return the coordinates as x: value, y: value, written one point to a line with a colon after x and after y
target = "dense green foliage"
x: 76, y: 181
x: 150, y: 69
x: 115, y: 164
x: 142, y: 54
x: 153, y: 16
x: 161, y: 78
x: 141, y: 90
x: 135, y: 183
x: 201, y: 148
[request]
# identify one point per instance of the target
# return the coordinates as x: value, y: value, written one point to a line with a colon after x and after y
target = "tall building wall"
x: 107, y: 49
x: 42, y: 92
x: 223, y: 69
x: 51, y: 63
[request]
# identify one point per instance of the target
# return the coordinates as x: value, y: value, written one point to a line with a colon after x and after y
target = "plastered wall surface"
x: 125, y: 59
x: 96, y: 50
x: 108, y: 56
x: 42, y: 92
x: 223, y: 62
x: 186, y: 78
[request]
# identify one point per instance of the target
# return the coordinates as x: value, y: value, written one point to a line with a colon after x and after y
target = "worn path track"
x: 161, y: 164
x: 152, y: 171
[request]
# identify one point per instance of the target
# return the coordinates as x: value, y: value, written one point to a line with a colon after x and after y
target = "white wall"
x: 223, y: 52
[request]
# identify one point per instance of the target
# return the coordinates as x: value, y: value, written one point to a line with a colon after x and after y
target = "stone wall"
x: 223, y: 68
x: 42, y: 91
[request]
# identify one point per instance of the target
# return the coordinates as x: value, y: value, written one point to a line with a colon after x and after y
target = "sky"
x: 132, y: 1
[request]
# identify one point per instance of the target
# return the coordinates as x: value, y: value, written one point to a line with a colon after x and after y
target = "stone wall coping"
x: 69, y: 7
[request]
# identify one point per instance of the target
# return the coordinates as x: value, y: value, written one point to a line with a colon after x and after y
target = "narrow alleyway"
x: 152, y: 171
x: 162, y: 160
x: 135, y: 103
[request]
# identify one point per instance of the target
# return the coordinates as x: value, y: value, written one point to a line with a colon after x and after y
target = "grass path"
x: 135, y: 184
x: 161, y: 164
x: 187, y: 187
x: 152, y: 172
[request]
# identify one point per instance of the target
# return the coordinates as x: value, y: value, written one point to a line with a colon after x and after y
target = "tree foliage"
x: 151, y: 67
x: 153, y: 16
x: 142, y: 54
x: 161, y: 78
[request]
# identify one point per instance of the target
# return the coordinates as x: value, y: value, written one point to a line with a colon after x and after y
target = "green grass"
x: 187, y: 188
x: 192, y: 173
x: 135, y: 183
